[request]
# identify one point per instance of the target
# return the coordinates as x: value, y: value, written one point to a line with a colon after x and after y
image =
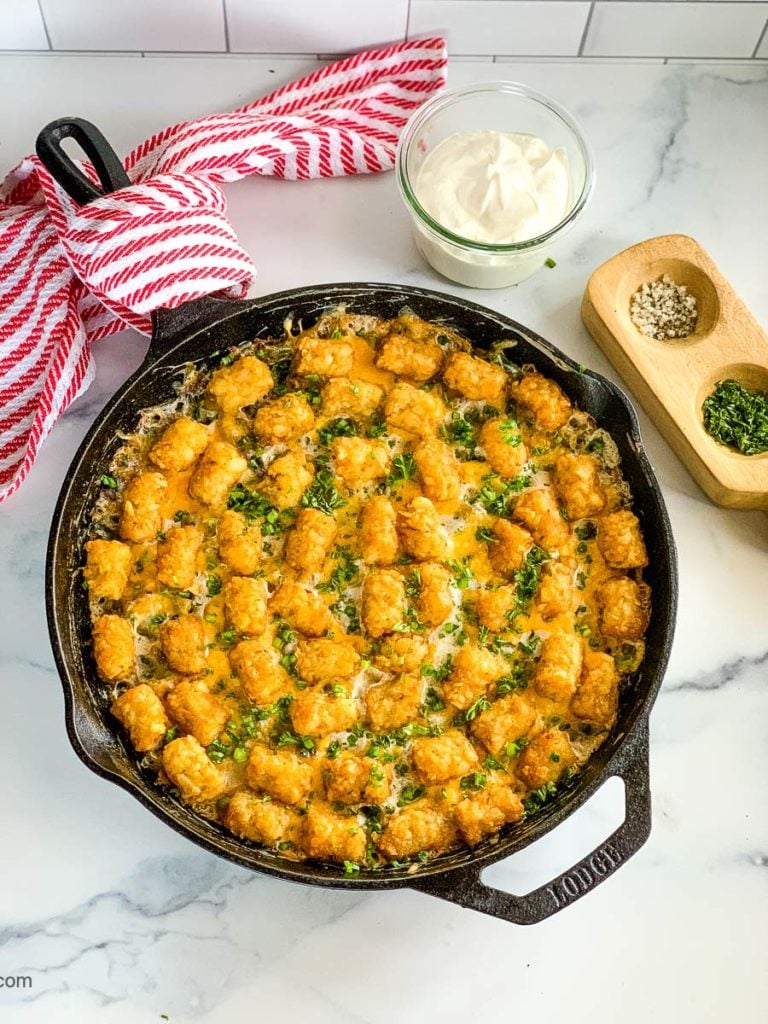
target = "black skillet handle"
x: 65, y: 171
x: 170, y: 326
x: 465, y: 886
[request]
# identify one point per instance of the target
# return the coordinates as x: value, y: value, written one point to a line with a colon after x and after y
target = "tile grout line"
x: 226, y: 25
x: 587, y: 23
x: 45, y: 23
x: 760, y: 39
x: 499, y: 58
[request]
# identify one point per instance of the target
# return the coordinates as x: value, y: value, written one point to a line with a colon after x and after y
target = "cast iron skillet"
x: 193, y: 332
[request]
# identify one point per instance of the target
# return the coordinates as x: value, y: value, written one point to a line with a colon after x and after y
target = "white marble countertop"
x: 116, y: 918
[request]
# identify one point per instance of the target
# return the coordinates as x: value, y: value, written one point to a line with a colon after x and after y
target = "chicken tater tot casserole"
x: 363, y: 595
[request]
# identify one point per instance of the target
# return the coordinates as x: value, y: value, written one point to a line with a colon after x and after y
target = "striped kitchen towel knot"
x: 70, y: 275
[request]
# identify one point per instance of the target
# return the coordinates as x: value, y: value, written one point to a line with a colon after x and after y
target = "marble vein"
x: 667, y: 160
x: 739, y: 670
x: 188, y: 904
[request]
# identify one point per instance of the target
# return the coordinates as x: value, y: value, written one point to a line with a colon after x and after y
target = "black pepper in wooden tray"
x: 695, y: 357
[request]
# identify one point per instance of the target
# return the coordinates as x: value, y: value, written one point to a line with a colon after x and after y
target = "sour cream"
x: 495, y: 187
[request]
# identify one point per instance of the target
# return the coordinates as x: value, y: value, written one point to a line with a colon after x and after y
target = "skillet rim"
x: 176, y: 329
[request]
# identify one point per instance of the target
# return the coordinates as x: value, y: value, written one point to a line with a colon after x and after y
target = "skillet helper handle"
x: 466, y: 887
x: 65, y: 171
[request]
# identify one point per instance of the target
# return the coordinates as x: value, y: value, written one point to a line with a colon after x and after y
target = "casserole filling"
x: 362, y: 595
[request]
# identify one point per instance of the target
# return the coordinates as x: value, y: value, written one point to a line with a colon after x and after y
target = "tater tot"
x: 220, y: 467
x: 624, y: 609
x: 177, y: 554
x: 196, y: 710
x: 420, y: 530
x: 323, y: 357
x: 180, y: 444
x: 259, y: 670
x: 493, y: 607
x: 419, y: 827
x: 240, y: 543
x: 620, y: 540
x: 508, y: 719
x: 359, y: 461
x: 385, y: 595
x: 192, y: 772
x: 510, y: 547
x: 438, y: 470
x: 323, y: 660
x: 503, y: 445
x: 417, y: 361
x: 577, y: 482
x: 113, y: 648
x: 545, y: 758
x: 437, y: 759
x: 246, y: 381
x: 283, y: 419
x: 379, y: 542
x: 310, y: 540
x: 356, y: 398
x: 287, y: 478
x: 383, y: 602
x: 262, y: 821
x: 401, y: 652
x: 544, y: 399
x: 414, y: 411
x: 183, y: 644
x: 474, y: 669
x: 392, y: 705
x: 538, y: 511
x: 559, y: 667
x: 332, y: 836
x: 475, y: 378
x: 556, y: 591
x: 435, y: 601
x: 315, y: 712
x: 597, y: 696
x: 302, y: 609
x: 141, y: 712
x: 352, y: 779
x: 484, y: 813
x: 107, y: 568
x: 245, y: 605
x: 142, y: 512
x: 281, y: 773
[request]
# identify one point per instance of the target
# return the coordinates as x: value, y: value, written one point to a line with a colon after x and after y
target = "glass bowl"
x: 504, y: 107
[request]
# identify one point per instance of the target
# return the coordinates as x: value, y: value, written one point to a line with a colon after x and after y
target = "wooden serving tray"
x: 672, y: 378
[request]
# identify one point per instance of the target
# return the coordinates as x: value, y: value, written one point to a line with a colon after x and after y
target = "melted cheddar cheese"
x: 361, y: 594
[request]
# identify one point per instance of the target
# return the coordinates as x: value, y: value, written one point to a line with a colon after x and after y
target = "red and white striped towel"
x: 71, y: 275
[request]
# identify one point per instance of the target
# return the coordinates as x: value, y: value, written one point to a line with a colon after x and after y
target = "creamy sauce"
x: 495, y: 187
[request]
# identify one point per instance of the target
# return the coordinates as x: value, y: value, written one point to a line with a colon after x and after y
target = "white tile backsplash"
x: 690, y: 29
x: 314, y: 26
x: 501, y: 27
x: 503, y: 30
x: 21, y: 26
x: 135, y: 24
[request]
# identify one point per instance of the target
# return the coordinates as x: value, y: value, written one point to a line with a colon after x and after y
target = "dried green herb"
x: 737, y: 417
